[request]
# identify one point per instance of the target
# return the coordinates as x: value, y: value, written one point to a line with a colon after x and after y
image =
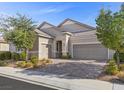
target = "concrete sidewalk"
x: 53, y: 81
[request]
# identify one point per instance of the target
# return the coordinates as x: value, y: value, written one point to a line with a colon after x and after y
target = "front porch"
x: 61, y: 46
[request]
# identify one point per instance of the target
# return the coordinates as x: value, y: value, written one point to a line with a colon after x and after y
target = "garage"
x: 89, y: 51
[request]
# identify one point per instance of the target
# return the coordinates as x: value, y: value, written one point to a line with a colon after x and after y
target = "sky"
x: 56, y: 12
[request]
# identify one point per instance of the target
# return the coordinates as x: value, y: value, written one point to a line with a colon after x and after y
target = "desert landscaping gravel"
x: 78, y: 69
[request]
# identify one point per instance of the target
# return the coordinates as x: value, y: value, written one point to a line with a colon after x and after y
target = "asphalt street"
x: 12, y: 84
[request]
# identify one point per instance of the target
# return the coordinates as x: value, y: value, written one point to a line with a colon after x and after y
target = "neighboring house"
x: 4, y: 46
x: 75, y: 38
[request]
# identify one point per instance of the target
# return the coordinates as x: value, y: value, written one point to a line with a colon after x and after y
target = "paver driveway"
x: 74, y: 69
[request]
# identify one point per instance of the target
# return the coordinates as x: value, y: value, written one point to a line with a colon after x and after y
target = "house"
x: 69, y: 37
x: 4, y: 46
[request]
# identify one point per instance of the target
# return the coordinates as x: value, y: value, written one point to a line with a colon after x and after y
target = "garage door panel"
x: 92, y: 51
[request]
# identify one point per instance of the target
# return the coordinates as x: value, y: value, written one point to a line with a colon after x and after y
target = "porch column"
x: 65, y: 44
x: 54, y: 49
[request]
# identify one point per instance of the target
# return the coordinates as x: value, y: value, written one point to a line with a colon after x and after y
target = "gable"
x: 45, y: 25
x: 43, y: 34
x: 49, y: 29
x: 68, y: 22
x: 74, y: 26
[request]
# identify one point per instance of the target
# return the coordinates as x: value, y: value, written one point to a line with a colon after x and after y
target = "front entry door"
x: 59, y: 49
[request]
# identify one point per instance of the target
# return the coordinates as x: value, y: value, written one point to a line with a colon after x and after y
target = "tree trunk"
x: 118, y: 59
x: 26, y: 55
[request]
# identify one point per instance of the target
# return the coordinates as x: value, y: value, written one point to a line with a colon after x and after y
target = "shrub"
x: 29, y: 64
x: 121, y: 57
x: 121, y: 75
x: 43, y: 59
x: 111, y: 68
x: 36, y: 65
x: 2, y: 63
x: 21, y: 64
x: 15, y: 56
x: 2, y: 56
x: 24, y: 64
x: 5, y: 55
x: 42, y: 63
x: 66, y: 56
x: 23, y: 55
x: 122, y: 67
x: 34, y: 59
x: 48, y: 61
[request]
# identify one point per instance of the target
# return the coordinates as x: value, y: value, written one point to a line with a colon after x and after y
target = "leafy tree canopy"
x: 110, y: 29
x: 19, y: 30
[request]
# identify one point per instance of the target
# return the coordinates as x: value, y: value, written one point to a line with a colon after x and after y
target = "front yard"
x: 67, y: 69
x: 78, y: 69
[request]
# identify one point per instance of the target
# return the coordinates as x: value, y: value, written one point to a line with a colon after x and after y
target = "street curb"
x: 32, y: 81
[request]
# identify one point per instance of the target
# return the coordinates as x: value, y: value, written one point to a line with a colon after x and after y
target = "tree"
x: 20, y: 31
x: 122, y: 7
x: 110, y: 30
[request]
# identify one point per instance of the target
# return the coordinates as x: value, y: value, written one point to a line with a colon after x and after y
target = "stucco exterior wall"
x: 43, y: 47
x: 85, y: 37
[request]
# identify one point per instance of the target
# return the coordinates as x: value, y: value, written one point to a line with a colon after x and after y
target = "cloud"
x: 47, y: 10
x: 35, y: 11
